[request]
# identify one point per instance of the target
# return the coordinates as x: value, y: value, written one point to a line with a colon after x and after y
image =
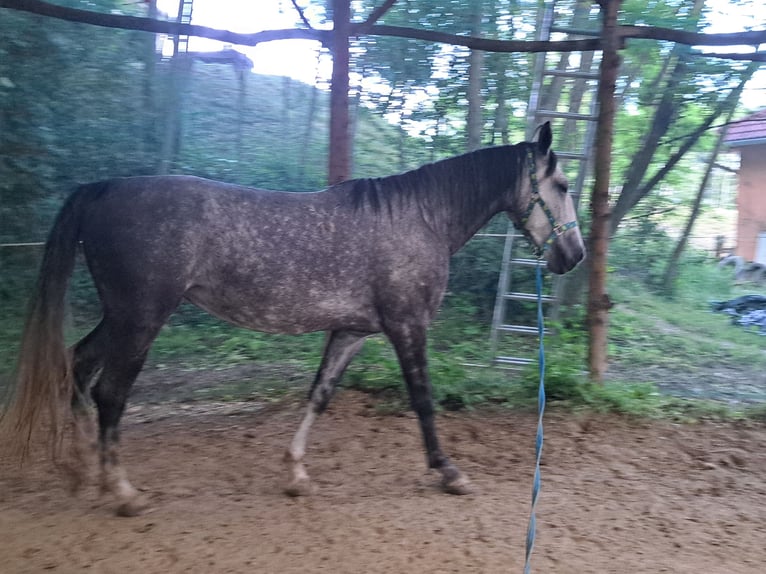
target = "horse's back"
x: 184, y: 211
x: 274, y: 261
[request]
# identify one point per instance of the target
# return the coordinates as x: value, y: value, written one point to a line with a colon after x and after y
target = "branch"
x: 727, y: 103
x: 160, y: 26
x: 725, y: 168
x: 480, y: 43
x: 746, y: 120
x: 302, y: 15
x: 747, y: 56
x: 368, y: 27
x: 376, y: 15
x: 751, y: 38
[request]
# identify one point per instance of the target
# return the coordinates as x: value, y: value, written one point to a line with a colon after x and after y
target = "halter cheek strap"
x: 557, y: 229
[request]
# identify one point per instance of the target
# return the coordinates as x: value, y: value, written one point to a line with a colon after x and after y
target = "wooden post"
x: 598, y: 299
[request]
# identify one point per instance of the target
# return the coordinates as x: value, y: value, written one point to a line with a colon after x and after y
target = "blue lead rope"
x: 531, y: 528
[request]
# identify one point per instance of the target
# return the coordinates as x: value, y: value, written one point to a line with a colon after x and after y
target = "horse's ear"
x: 544, y: 137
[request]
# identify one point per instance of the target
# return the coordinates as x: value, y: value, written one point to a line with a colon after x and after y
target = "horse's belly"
x: 270, y: 313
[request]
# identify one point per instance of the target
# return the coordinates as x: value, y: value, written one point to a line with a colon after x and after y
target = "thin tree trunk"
x: 355, y: 103
x: 150, y: 105
x: 309, y: 129
x: 671, y: 270
x: 666, y: 111
x: 474, y: 119
x: 171, y: 135
x: 576, y: 96
x: 598, y: 299
x: 241, y: 119
x: 552, y: 96
x: 728, y: 103
x: 339, y: 163
x: 501, y: 111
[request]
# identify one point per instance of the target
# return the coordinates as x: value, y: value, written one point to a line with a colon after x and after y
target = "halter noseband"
x: 557, y: 229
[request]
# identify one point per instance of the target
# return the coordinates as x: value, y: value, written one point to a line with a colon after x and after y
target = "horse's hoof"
x: 459, y: 485
x: 299, y: 487
x: 135, y: 507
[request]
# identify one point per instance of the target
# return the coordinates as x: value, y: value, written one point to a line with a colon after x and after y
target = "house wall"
x: 751, y: 199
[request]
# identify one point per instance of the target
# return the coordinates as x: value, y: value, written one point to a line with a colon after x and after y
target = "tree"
x: 340, y: 137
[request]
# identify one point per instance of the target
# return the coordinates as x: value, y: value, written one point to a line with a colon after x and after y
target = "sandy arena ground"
x: 618, y: 496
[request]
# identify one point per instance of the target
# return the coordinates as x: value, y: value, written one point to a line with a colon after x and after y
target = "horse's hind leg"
x: 126, y: 347
x: 87, y: 360
x: 410, y: 344
x: 340, y: 348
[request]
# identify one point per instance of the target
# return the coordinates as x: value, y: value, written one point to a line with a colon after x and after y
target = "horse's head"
x: 544, y: 211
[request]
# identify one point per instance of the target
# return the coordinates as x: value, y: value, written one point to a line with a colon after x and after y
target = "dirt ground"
x: 618, y: 496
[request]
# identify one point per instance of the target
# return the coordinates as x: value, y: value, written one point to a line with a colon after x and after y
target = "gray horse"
x: 362, y: 257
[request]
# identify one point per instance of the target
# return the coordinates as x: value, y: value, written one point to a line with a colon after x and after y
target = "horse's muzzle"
x: 566, y: 252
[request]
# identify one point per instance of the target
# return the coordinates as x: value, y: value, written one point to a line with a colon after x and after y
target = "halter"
x: 557, y: 229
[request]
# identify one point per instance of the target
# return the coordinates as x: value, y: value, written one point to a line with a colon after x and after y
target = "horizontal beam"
x: 749, y: 38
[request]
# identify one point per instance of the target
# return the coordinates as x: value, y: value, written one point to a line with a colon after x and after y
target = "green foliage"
x: 641, y: 248
x: 201, y: 340
x: 565, y: 369
x: 645, y: 400
x: 475, y: 269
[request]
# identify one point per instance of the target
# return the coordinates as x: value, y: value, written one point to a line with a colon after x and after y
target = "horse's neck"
x: 460, y: 233
x: 466, y: 203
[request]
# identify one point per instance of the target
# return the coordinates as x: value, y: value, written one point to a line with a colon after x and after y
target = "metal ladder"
x: 563, y: 91
x: 181, y: 41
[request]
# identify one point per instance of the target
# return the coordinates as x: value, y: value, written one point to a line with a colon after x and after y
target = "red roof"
x: 747, y: 131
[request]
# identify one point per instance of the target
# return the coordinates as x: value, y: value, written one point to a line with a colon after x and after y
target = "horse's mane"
x: 468, y: 183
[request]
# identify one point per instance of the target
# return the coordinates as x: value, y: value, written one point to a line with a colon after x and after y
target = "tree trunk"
x: 598, y: 299
x: 474, y: 120
x: 339, y: 163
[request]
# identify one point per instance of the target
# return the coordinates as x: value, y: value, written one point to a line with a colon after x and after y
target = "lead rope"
x: 531, y: 528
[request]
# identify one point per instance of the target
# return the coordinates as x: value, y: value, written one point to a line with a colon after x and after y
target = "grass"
x: 679, y: 333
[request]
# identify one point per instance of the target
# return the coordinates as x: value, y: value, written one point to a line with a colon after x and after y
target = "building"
x: 748, y: 137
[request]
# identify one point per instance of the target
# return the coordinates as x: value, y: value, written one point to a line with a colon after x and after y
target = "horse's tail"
x: 44, y: 370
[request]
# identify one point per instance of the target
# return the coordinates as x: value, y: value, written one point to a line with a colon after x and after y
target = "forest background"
x: 82, y: 103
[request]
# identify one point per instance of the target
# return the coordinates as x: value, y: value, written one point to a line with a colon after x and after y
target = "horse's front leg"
x: 340, y: 348
x: 410, y: 344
